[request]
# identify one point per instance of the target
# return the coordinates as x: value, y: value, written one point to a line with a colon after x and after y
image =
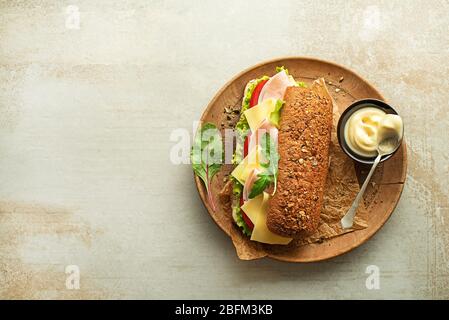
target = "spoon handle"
x: 348, y: 220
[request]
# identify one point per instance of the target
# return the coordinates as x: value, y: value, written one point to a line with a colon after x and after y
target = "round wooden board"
x: 383, y: 193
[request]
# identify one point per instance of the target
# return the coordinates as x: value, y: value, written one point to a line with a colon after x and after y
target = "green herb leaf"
x: 301, y: 84
x: 261, y: 184
x: 207, y: 156
x: 265, y: 165
x: 269, y: 150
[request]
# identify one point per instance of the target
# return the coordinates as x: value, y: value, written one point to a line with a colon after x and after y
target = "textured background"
x: 85, y: 122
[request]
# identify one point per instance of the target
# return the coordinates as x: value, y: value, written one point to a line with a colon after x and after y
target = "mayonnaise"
x: 367, y: 127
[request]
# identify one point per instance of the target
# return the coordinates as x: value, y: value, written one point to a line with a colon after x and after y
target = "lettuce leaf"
x: 237, y: 213
x: 298, y: 83
x: 282, y: 68
x: 275, y: 116
x: 237, y: 190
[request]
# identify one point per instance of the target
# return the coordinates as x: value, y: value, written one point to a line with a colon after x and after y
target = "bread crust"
x: 303, y: 146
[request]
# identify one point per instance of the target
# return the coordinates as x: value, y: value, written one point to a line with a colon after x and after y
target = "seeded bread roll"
x: 303, y: 146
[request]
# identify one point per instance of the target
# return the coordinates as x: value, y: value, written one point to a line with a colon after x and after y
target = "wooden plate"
x: 383, y: 193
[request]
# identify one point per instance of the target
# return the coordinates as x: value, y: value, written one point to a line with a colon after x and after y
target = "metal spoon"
x: 384, y: 147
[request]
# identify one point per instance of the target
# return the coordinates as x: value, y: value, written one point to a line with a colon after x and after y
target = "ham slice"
x: 276, y: 86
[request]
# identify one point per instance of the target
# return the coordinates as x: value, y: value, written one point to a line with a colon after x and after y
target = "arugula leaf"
x: 269, y: 151
x: 269, y: 175
x: 265, y: 165
x: 275, y: 115
x: 261, y: 184
x: 207, y: 156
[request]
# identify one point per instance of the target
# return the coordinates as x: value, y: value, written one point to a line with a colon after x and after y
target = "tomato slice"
x: 246, y: 145
x: 256, y: 93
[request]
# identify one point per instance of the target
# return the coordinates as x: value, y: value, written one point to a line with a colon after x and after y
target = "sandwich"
x: 281, y: 158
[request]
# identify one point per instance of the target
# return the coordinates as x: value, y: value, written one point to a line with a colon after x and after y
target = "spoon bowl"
x: 388, y: 145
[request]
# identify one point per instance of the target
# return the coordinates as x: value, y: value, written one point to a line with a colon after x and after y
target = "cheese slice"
x: 253, y: 206
x: 250, y: 162
x: 260, y: 112
x: 256, y: 209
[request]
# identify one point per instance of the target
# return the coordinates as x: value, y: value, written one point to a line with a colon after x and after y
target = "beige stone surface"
x: 85, y: 121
